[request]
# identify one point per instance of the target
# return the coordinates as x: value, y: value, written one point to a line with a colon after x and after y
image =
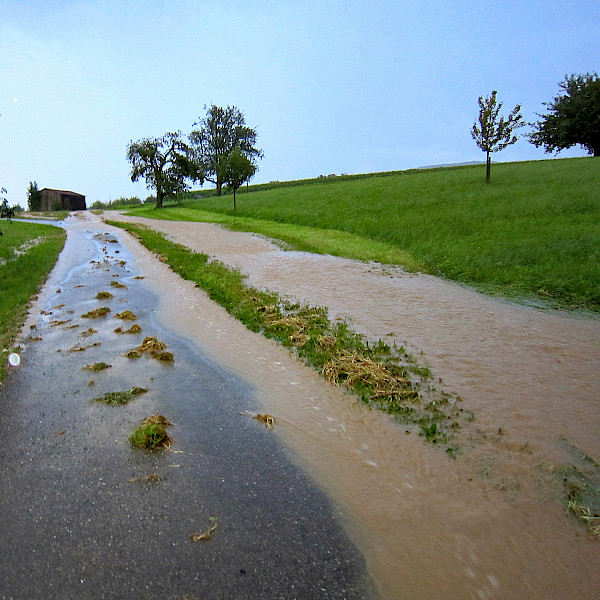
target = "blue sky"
x: 331, y: 87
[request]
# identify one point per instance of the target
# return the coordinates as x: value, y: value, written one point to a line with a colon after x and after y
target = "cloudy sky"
x: 331, y: 87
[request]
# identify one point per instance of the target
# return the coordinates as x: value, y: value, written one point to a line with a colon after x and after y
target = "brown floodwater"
x: 491, y: 523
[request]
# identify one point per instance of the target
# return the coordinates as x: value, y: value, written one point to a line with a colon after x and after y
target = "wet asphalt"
x: 83, y: 515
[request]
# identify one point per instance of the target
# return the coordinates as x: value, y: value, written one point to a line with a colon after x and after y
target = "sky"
x: 330, y: 87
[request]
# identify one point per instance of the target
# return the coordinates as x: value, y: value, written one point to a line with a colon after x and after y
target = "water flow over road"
x: 84, y: 515
x: 490, y: 524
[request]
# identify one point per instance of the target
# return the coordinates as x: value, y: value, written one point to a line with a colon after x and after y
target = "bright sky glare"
x: 331, y: 86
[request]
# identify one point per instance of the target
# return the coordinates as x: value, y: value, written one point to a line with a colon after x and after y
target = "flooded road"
x: 491, y: 523
x: 222, y: 514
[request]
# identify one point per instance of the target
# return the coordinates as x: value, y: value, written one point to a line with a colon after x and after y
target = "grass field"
x: 533, y: 234
x: 27, y: 254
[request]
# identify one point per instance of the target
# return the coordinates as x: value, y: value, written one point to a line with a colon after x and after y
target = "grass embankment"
x: 385, y: 378
x: 533, y: 234
x: 27, y: 254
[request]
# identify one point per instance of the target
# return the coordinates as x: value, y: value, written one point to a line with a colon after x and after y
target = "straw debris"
x: 135, y: 328
x: 121, y: 397
x: 97, y: 313
x: 126, y: 315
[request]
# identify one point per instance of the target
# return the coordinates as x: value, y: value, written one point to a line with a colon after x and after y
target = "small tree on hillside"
x: 34, y: 198
x: 222, y: 130
x: 165, y: 163
x: 236, y: 168
x: 573, y: 118
x: 493, y: 133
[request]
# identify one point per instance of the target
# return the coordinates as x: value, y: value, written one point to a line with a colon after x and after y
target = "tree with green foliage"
x: 34, y: 198
x: 165, y: 163
x: 493, y: 133
x: 6, y: 212
x: 218, y: 133
x: 573, y: 117
x: 236, y: 168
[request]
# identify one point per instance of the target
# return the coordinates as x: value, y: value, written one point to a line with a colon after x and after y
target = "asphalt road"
x: 83, y: 515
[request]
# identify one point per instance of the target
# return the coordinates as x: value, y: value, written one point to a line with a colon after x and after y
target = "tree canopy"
x: 493, y: 133
x: 34, y: 197
x: 236, y: 168
x: 165, y: 162
x: 218, y: 133
x: 573, y: 117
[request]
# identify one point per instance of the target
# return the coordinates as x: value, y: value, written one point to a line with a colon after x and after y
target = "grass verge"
x: 383, y: 377
x: 27, y: 254
x: 533, y: 234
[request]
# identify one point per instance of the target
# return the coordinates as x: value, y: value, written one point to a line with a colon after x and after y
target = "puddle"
x: 491, y: 523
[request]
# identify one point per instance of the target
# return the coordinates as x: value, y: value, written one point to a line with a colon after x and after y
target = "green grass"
x: 21, y: 276
x: 533, y: 234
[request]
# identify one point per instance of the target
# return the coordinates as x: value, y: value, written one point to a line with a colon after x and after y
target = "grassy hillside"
x: 534, y: 232
x: 27, y: 254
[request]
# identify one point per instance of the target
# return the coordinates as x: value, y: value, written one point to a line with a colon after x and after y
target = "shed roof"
x: 62, y: 192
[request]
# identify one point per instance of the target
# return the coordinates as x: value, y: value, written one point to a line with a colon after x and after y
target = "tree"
x: 494, y: 133
x: 5, y: 211
x: 222, y: 130
x: 573, y: 118
x: 34, y: 198
x: 165, y: 162
x: 236, y: 168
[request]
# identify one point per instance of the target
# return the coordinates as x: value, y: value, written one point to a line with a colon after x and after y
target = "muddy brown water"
x: 489, y: 524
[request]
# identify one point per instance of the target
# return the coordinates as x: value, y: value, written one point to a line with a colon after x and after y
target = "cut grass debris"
x: 121, y: 397
x: 97, y: 313
x: 265, y: 419
x: 126, y: 315
x: 116, y: 284
x: 135, y: 328
x: 384, y: 377
x: 99, y: 366
x: 104, y: 296
x: 152, y: 434
x: 205, y: 536
x: 153, y: 347
x: 88, y: 332
x: 83, y: 348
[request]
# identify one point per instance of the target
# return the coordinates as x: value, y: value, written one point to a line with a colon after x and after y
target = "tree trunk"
x: 159, y: 198
x: 234, y: 206
x: 488, y: 168
x: 219, y: 185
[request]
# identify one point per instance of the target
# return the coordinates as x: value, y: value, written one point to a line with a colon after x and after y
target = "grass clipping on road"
x: 383, y: 377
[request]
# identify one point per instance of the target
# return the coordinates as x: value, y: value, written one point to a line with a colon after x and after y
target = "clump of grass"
x: 121, y: 397
x: 155, y: 348
x: 97, y: 313
x: 103, y: 296
x: 135, y: 328
x: 166, y: 357
x: 116, y: 284
x: 99, y: 366
x: 152, y: 433
x: 126, y: 315
x: 88, y: 332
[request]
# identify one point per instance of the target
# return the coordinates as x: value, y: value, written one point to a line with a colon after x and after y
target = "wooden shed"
x: 61, y: 200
